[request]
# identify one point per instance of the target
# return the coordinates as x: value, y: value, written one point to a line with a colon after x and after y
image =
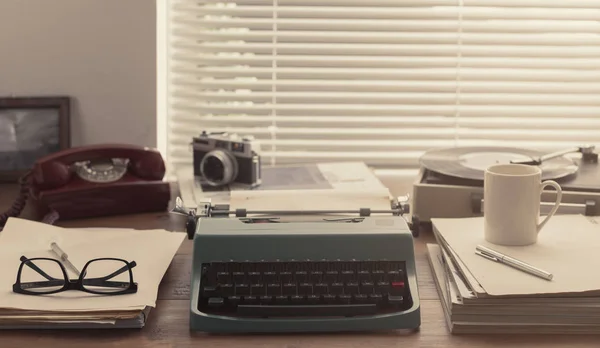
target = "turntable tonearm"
x: 450, y: 181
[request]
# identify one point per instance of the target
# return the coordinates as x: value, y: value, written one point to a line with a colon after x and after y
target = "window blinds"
x: 382, y: 81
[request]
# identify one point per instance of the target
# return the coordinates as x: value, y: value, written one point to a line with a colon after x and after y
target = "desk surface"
x: 168, y: 322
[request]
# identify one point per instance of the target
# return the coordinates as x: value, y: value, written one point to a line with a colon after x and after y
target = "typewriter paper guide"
x: 567, y: 247
x: 152, y: 250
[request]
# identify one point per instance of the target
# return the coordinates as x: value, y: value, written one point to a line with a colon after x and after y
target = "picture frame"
x: 30, y: 128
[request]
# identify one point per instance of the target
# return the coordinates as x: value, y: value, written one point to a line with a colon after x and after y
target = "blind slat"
x: 375, y: 37
x: 394, y: 110
x: 422, y: 73
x: 387, y: 85
x: 393, y: 49
x: 422, y: 3
x: 414, y: 133
x: 547, y: 26
x: 393, y: 98
x: 404, y: 3
x: 249, y: 62
x: 395, y: 12
x: 194, y: 119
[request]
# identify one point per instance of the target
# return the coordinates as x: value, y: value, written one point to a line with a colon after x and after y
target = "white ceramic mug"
x: 511, y: 203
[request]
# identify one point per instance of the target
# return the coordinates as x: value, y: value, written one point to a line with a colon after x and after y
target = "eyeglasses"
x: 103, y: 276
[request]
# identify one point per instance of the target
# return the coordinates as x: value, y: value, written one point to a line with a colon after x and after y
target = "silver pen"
x: 64, y: 257
x: 512, y: 262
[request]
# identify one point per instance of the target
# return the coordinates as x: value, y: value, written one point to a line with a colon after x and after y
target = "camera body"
x: 222, y: 159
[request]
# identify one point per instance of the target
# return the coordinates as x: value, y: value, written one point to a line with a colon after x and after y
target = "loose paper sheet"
x: 352, y: 186
x: 568, y: 247
x: 152, y: 250
x: 298, y: 200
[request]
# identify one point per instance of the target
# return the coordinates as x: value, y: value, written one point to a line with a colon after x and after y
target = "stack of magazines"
x: 482, y: 296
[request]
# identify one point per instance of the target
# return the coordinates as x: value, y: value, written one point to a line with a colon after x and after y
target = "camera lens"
x: 218, y: 168
x: 214, y: 169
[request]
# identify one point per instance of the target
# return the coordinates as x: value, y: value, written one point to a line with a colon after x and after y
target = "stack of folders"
x: 483, y: 296
x: 152, y: 251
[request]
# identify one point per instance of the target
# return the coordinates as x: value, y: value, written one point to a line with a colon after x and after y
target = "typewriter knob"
x: 190, y: 226
x: 415, y: 226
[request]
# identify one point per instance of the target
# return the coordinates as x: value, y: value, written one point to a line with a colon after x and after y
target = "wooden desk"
x: 168, y: 324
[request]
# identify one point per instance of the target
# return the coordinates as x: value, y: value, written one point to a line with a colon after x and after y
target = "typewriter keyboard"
x: 304, y: 288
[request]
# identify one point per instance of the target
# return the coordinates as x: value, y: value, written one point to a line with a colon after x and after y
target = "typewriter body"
x: 268, y: 275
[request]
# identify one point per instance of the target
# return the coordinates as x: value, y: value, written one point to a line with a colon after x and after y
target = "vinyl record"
x: 471, y: 162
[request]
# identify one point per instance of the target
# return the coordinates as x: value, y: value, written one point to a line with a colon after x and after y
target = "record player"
x: 450, y: 180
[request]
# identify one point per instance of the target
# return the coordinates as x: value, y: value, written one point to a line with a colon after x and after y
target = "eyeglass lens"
x: 42, y: 276
x: 107, y: 276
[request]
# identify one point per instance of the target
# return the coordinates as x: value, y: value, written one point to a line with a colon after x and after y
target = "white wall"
x: 102, y: 53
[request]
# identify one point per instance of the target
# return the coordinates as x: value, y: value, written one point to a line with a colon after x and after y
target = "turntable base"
x: 450, y: 182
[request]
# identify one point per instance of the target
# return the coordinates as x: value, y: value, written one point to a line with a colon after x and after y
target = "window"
x: 382, y: 81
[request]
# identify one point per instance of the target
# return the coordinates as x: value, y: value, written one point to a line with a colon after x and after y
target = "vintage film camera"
x: 222, y: 159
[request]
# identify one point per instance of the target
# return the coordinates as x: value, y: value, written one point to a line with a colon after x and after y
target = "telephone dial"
x: 94, y: 180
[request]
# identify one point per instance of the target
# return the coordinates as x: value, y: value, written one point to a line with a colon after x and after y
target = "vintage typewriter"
x: 256, y: 274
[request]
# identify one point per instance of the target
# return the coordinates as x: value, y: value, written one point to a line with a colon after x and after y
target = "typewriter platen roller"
x: 264, y: 275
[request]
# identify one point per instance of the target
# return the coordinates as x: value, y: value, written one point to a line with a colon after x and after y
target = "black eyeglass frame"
x: 79, y: 283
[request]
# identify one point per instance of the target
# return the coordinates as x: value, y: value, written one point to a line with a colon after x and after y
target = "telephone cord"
x: 19, y: 203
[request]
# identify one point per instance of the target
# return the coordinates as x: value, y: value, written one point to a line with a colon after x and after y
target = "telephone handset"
x: 97, y: 163
x: 95, y: 180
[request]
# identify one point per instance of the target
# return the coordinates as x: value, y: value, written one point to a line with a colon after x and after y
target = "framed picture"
x: 30, y: 128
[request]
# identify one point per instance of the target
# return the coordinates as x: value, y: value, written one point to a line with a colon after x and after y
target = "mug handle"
x: 556, y: 203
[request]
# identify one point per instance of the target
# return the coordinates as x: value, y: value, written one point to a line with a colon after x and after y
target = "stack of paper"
x: 296, y: 187
x: 152, y: 250
x: 483, y: 296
